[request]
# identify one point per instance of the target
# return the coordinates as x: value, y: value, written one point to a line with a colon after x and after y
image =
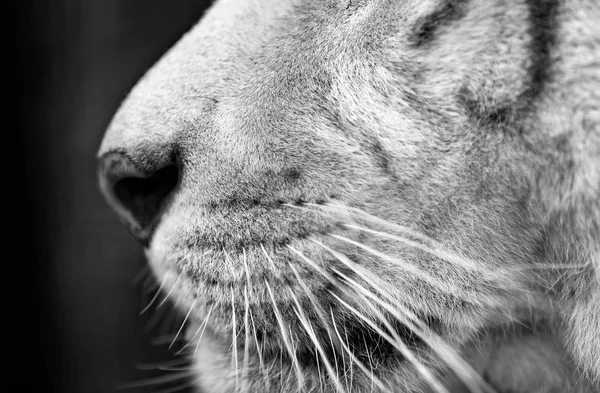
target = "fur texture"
x: 374, y: 195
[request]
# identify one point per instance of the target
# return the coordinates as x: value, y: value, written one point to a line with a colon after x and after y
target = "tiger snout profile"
x: 373, y: 195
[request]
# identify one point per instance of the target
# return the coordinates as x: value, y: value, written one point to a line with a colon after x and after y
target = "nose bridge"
x: 187, y: 82
x: 147, y: 124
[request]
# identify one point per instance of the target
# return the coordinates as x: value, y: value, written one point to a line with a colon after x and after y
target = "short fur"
x: 408, y: 186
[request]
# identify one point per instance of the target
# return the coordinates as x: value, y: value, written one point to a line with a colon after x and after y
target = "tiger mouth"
x: 337, y: 340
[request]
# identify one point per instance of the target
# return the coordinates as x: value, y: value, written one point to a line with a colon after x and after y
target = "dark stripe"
x: 381, y: 156
x: 542, y: 28
x: 543, y: 25
x: 426, y: 27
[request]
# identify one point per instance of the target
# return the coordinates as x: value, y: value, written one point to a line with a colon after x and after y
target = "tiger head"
x: 373, y: 195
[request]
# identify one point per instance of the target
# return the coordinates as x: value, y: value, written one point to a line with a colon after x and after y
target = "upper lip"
x: 239, y: 223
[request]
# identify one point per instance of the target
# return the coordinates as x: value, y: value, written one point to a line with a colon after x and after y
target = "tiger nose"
x: 137, y: 195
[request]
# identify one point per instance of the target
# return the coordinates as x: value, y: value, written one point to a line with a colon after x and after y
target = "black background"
x: 72, y: 265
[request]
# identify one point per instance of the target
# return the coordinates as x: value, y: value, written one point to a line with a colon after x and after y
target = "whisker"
x: 344, y: 259
x: 319, y: 372
x: 413, y: 322
x: 397, y: 343
x: 203, y: 325
x: 246, y: 314
x: 312, y: 264
x: 170, y: 291
x: 344, y: 354
x: 284, y: 336
x: 437, y: 248
x: 261, y: 364
x: 541, y: 266
x: 189, y: 341
x: 315, y: 303
x: 439, y: 251
x: 370, y: 357
x: 562, y: 275
x: 158, y: 291
x: 246, y: 340
x: 234, y: 358
x: 317, y: 308
x: 371, y: 279
x: 183, y: 323
x: 409, y: 319
x: 361, y: 366
x: 312, y: 335
x: 269, y: 258
x: 445, y: 286
x: 347, y: 346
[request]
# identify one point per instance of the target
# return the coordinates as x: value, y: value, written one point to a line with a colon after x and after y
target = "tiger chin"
x: 373, y: 195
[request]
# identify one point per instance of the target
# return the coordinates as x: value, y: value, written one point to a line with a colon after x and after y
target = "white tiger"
x: 374, y: 195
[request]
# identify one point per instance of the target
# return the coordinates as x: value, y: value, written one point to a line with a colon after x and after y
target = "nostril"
x: 138, y: 197
x: 144, y: 197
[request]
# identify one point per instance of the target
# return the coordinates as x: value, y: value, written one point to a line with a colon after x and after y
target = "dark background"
x: 77, y: 323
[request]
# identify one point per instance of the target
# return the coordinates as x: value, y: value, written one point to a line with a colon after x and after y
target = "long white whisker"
x: 460, y: 367
x: 370, y: 357
x: 397, y: 343
x: 261, y: 364
x: 343, y: 258
x: 183, y: 323
x: 313, y: 265
x: 347, y: 346
x: 374, y: 379
x: 268, y: 258
x: 246, y: 340
x: 409, y: 319
x: 311, y: 333
x: 438, y: 249
x: 343, y: 353
x: 170, y: 291
x: 246, y: 325
x: 284, y: 336
x: 203, y: 325
x: 553, y: 266
x: 158, y: 291
x: 315, y: 303
x: 440, y: 252
x: 234, y: 340
x: 413, y: 322
x: 446, y: 286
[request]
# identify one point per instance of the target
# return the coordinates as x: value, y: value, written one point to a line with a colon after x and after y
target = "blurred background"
x: 76, y: 61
